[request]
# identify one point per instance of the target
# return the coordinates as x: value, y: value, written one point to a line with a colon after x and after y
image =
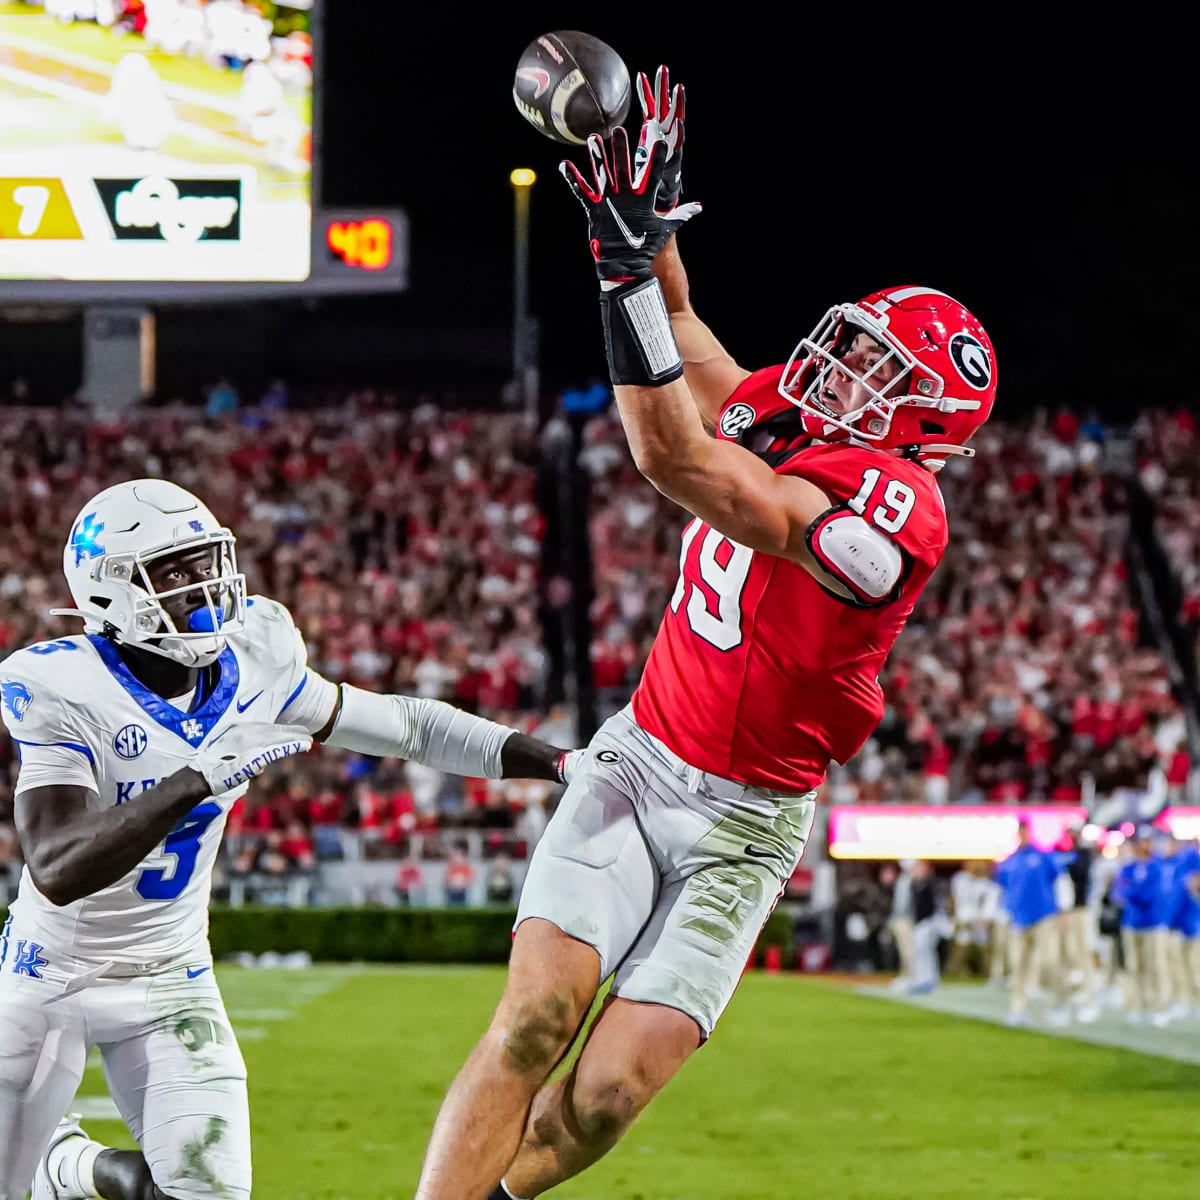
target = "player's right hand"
x: 662, y: 120
x: 243, y: 752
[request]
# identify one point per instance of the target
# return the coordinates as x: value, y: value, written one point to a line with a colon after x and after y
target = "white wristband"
x: 646, y: 314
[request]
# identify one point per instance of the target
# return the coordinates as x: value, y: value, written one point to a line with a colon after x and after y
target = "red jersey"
x: 759, y: 673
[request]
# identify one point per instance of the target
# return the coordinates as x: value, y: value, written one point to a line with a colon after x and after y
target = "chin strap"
x: 932, y: 455
x: 72, y: 612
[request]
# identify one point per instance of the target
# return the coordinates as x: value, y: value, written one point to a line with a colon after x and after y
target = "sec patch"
x: 736, y: 419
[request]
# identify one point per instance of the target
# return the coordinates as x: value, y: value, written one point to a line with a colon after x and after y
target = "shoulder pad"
x: 263, y: 608
x: 38, y: 684
x: 269, y: 631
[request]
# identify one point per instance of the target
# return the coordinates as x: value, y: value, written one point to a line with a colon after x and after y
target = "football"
x: 569, y: 85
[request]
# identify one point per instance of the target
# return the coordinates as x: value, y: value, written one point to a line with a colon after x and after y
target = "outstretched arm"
x: 632, y: 215
x: 722, y: 483
x: 711, y: 373
x: 437, y: 734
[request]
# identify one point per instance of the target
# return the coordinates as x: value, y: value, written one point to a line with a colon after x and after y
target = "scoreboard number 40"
x: 366, y: 244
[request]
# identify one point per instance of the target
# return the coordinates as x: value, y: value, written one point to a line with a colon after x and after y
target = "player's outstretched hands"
x: 245, y: 751
x: 627, y: 224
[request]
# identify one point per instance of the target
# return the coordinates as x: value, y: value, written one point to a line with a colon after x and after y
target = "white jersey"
x: 79, y: 717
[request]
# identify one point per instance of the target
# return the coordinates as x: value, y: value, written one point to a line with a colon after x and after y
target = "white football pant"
x: 669, y: 872
x: 170, y: 1058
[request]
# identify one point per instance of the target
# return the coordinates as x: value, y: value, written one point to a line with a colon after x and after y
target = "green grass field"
x: 806, y: 1090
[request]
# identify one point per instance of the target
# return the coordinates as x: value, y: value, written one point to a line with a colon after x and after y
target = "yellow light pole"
x: 525, y: 372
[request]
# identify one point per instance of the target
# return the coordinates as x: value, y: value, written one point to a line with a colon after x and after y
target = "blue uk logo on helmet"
x: 84, y: 538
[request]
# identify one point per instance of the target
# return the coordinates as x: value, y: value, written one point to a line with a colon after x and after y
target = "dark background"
x: 1045, y: 179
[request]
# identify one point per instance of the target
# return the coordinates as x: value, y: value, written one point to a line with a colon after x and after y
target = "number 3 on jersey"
x: 714, y: 605
x: 183, y: 845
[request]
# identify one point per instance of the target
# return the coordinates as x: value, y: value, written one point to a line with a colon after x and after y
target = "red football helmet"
x: 922, y: 380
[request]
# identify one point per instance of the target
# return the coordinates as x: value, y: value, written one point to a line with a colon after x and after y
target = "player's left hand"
x: 626, y: 228
x: 243, y: 752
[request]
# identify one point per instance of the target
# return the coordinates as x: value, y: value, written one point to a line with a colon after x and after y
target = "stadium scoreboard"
x: 171, y: 157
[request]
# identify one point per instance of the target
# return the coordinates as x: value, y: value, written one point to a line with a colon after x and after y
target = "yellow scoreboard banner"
x: 36, y: 208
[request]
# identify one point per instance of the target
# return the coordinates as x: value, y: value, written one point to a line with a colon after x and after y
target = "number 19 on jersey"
x: 714, y: 603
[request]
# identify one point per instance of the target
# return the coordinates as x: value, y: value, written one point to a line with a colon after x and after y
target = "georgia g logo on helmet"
x: 971, y: 360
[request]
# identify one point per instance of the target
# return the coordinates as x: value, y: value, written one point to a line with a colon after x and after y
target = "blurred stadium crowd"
x: 407, y: 538
x: 1020, y: 677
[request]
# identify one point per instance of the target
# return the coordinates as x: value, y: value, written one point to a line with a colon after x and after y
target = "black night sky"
x: 1048, y: 186
x: 1036, y: 183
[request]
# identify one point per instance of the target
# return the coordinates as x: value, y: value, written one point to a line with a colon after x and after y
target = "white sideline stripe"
x: 95, y: 1108
x: 176, y: 91
x: 65, y: 91
x: 1179, y: 1041
x: 437, y: 970
x: 102, y: 1108
x: 250, y: 1033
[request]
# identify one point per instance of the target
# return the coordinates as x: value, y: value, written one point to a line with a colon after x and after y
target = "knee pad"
x: 209, y: 1162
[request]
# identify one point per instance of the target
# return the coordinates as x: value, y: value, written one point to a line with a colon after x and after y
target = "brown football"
x: 569, y: 85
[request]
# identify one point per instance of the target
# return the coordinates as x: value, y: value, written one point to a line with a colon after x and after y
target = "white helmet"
x: 113, y: 539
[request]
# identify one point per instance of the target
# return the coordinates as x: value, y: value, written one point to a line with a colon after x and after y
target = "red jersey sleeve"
x: 898, y: 497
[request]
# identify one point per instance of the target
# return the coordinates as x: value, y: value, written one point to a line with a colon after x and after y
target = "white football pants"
x: 172, y: 1063
x: 669, y: 872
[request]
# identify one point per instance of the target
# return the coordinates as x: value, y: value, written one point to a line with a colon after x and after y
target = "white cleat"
x: 1160, y: 1020
x: 44, y: 1187
x: 1087, y: 1014
x: 1017, y: 1020
x: 1058, y: 1017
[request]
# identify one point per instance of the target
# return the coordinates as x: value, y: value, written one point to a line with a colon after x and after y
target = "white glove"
x: 245, y: 751
x: 662, y: 121
x: 568, y: 763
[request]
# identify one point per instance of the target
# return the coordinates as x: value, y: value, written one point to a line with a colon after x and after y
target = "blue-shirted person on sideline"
x: 1187, y: 917
x: 1138, y: 889
x: 1183, y: 930
x: 1027, y: 878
